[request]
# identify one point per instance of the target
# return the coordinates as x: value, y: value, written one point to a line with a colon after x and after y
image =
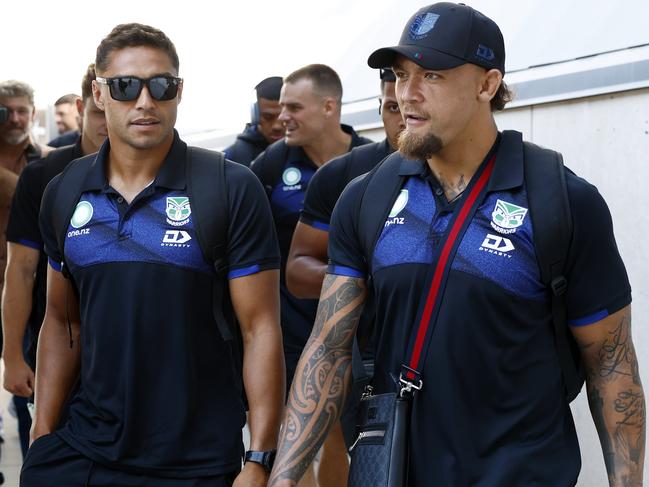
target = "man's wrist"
x: 265, y: 459
x: 13, y: 359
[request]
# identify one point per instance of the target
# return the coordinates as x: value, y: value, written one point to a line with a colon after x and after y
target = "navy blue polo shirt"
x: 158, y: 392
x: 286, y: 201
x: 492, y: 411
x: 23, y: 226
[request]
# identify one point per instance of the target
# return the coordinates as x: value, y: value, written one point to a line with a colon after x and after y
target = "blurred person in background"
x: 264, y: 127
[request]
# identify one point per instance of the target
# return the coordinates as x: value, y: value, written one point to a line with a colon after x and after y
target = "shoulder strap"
x: 547, y: 194
x: 374, y: 206
x: 437, y: 276
x: 67, y: 198
x: 206, y: 188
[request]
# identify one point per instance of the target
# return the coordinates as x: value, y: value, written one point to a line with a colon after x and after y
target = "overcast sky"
x: 225, y: 48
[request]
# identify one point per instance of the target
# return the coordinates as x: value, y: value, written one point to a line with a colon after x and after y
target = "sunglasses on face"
x: 128, y: 88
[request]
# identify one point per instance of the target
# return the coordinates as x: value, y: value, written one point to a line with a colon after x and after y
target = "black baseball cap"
x: 446, y: 35
x: 269, y: 88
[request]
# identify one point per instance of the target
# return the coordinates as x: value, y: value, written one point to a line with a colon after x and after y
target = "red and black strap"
x: 439, y: 271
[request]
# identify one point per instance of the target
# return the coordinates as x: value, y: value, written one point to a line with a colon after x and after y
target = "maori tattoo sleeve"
x: 322, y: 378
x: 617, y: 404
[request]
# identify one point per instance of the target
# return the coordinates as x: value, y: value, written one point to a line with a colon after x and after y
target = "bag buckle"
x: 559, y: 285
x: 410, y: 381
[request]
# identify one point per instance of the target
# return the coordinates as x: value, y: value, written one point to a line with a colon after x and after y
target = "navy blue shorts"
x: 51, y: 461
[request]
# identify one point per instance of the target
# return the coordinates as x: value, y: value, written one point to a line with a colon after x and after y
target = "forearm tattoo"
x: 617, y: 403
x: 321, y: 382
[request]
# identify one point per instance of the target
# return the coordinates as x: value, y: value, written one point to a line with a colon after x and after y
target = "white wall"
x: 605, y: 140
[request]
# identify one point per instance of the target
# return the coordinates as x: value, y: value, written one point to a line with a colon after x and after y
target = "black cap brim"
x: 426, y: 58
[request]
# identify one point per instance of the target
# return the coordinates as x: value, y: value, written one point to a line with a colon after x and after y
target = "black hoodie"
x: 249, y: 144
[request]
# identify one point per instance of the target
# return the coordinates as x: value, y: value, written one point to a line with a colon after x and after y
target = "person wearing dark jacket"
x: 264, y: 127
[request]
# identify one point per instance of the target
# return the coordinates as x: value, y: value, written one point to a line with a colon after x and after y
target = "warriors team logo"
x: 422, y: 25
x: 82, y: 214
x: 291, y: 176
x: 507, y: 217
x: 178, y: 210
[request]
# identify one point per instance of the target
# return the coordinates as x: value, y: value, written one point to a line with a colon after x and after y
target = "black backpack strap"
x: 550, y: 211
x: 67, y: 197
x: 207, y: 191
x: 380, y: 188
x: 373, y: 209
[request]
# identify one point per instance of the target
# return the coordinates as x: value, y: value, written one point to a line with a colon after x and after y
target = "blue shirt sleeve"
x: 598, y: 284
x: 252, y: 241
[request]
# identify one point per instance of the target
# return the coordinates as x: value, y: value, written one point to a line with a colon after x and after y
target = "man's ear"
x: 490, y: 83
x: 80, y: 107
x: 97, y: 95
x: 180, y: 91
x: 330, y: 106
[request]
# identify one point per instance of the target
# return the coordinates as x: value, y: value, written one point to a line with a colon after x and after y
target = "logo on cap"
x: 422, y: 25
x: 485, y: 53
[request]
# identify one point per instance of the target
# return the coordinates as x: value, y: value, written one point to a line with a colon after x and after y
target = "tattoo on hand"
x: 320, y: 387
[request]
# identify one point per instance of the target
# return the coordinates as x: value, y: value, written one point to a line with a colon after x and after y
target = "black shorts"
x: 51, y: 461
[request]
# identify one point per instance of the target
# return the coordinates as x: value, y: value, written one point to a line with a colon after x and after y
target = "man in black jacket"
x: 23, y: 300
x: 264, y: 127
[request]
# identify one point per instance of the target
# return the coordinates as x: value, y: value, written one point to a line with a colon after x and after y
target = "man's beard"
x: 15, y: 139
x: 419, y: 147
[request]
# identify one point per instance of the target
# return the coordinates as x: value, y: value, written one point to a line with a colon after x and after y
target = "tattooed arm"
x: 615, y: 395
x: 322, y: 379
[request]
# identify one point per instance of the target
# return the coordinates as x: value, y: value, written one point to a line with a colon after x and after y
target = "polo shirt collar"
x: 171, y: 174
x: 297, y: 155
x: 508, y: 167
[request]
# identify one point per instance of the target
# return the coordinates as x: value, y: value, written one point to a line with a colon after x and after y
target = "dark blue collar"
x: 171, y: 174
x: 296, y: 155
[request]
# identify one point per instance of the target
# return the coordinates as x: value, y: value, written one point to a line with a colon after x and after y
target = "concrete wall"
x: 605, y: 140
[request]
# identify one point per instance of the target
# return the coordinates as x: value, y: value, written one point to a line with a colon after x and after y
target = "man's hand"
x: 252, y: 475
x: 19, y: 378
x: 36, y: 432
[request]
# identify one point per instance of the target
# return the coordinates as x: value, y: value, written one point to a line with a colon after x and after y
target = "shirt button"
x: 120, y: 200
x: 439, y: 192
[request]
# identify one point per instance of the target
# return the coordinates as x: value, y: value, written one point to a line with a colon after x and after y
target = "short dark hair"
x: 134, y: 35
x: 70, y: 98
x: 86, y: 82
x: 326, y: 81
x: 503, y: 96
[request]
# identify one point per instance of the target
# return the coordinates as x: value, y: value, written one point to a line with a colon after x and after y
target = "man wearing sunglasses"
x: 158, y: 402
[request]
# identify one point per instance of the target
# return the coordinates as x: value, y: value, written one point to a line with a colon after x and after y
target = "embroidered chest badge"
x: 507, y: 217
x: 178, y: 210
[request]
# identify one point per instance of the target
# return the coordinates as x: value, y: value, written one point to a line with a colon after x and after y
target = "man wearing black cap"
x: 264, y: 127
x: 492, y: 409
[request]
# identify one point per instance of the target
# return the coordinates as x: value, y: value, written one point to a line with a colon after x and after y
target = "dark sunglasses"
x: 128, y: 88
